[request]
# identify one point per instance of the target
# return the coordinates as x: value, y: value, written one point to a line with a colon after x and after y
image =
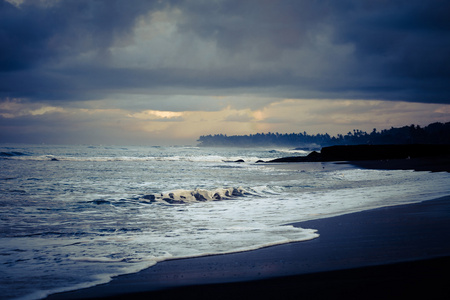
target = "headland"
x: 419, y: 157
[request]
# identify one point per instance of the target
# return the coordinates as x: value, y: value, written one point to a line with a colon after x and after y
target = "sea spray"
x: 188, y: 196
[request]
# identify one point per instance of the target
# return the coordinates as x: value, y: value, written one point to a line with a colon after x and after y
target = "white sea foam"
x: 189, y: 196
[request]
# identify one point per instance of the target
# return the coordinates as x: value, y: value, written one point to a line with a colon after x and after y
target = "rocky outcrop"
x: 370, y: 152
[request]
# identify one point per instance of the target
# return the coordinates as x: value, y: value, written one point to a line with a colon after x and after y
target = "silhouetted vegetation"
x: 435, y: 133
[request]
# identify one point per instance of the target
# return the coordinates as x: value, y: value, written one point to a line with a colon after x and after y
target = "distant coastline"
x: 435, y: 133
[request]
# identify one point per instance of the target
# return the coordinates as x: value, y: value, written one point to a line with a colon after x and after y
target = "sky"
x: 161, y: 72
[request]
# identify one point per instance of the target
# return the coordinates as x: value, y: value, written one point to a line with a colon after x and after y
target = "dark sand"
x: 385, y: 253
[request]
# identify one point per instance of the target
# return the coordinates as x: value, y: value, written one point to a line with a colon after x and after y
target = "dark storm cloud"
x: 388, y: 50
x: 271, y: 26
x: 35, y: 36
x: 404, y: 41
x: 400, y: 47
x: 35, y: 32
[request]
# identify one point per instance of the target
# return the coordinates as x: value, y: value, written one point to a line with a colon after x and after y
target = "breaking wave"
x: 197, y: 195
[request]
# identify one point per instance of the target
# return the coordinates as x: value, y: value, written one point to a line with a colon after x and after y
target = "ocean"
x: 74, y: 216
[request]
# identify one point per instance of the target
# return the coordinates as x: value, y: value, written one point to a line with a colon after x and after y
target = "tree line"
x: 435, y: 133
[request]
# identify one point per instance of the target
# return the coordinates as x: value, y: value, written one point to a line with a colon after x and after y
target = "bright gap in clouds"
x: 40, y: 123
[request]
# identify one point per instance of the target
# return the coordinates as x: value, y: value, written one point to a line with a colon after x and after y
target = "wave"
x: 11, y: 154
x: 205, y: 158
x: 299, y: 152
x: 197, y: 195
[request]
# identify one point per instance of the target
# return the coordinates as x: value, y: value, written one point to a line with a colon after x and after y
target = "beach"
x: 82, y: 216
x: 173, y: 222
x: 224, y: 149
x: 387, y: 252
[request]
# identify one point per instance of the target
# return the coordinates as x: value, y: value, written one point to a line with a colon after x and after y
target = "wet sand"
x: 384, y: 253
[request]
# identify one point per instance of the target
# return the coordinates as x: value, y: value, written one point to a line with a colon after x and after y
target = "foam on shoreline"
x: 336, y: 254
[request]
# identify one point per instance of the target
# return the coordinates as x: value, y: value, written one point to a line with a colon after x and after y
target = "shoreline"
x: 421, y: 278
x: 406, y: 240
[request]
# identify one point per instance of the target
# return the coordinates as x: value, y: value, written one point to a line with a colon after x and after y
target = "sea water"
x: 74, y: 216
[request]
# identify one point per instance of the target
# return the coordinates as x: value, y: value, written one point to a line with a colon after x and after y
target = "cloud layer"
x: 392, y: 50
x: 181, y: 56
